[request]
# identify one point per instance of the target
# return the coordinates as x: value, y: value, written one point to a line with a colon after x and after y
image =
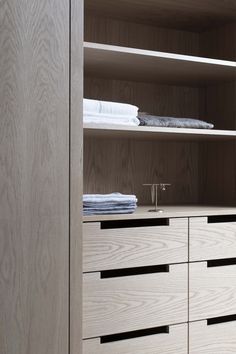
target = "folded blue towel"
x: 114, y: 203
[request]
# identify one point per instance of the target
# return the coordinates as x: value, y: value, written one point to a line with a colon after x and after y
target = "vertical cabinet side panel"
x: 34, y: 176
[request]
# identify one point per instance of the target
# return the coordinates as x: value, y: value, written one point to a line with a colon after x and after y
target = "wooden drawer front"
x: 134, y: 246
x: 211, y: 240
x: 212, y: 291
x: 212, y: 339
x: 128, y: 303
x: 174, y: 342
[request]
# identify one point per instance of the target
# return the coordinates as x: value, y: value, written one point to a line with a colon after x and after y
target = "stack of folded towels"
x: 103, y: 112
x: 114, y: 203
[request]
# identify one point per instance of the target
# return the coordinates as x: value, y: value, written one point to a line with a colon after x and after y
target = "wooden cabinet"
x: 217, y: 338
x: 173, y: 341
x: 110, y: 246
x: 212, y: 237
x: 127, y: 303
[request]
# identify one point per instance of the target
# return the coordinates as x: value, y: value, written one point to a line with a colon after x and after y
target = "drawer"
x: 216, y: 338
x: 174, y: 341
x: 212, y: 237
x: 127, y: 243
x: 116, y: 303
x: 212, y: 290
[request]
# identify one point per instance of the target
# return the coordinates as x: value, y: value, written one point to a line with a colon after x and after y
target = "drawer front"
x: 219, y: 338
x: 174, y: 342
x: 212, y: 290
x: 212, y: 239
x: 134, y: 246
x: 128, y: 303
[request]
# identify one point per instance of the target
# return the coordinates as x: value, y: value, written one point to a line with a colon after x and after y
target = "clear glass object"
x: 155, y: 187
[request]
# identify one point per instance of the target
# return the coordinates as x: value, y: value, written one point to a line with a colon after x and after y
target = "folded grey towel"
x: 158, y: 121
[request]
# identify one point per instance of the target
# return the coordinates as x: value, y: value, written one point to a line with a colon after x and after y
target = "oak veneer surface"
x: 134, y: 247
x: 185, y: 14
x: 76, y: 176
x: 128, y: 303
x: 34, y: 178
x: 109, y: 61
x: 169, y: 211
x: 211, y: 240
x: 174, y: 342
x: 108, y: 30
x: 212, y: 291
x: 218, y: 338
x: 126, y: 164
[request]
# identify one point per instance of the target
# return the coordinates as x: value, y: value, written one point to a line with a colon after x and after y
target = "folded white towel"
x: 119, y: 120
x: 109, y: 108
x: 113, y: 197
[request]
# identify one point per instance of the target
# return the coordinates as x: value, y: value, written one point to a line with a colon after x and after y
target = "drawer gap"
x: 134, y: 334
x: 119, y: 224
x: 222, y: 319
x: 134, y: 271
x: 214, y: 219
x: 221, y: 262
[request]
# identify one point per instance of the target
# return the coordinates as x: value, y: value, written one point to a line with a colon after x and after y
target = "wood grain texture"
x: 76, y: 175
x: 125, y: 165
x: 219, y: 42
x: 34, y: 178
x: 122, y: 304
x: 212, y: 291
x: 160, y: 133
x: 107, y: 30
x: 169, y: 211
x: 211, y: 241
x: 184, y: 14
x: 175, y: 342
x: 134, y: 247
x: 109, y: 61
x: 217, y: 339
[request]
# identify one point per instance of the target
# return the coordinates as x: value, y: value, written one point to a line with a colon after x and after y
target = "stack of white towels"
x: 114, y: 203
x: 104, y: 112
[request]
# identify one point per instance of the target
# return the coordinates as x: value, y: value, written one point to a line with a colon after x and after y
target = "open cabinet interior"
x: 169, y: 58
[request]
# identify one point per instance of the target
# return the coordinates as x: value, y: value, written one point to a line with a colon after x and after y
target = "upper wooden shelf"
x: 140, y: 132
x: 108, y: 61
x: 169, y: 211
x: 192, y: 15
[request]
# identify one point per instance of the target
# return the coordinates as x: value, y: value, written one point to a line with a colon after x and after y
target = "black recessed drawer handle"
x: 222, y: 319
x: 221, y: 262
x: 134, y: 271
x: 214, y: 219
x: 121, y: 224
x: 134, y: 334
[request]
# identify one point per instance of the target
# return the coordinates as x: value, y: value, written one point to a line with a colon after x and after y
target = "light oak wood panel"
x: 76, y: 175
x: 160, y: 133
x: 128, y: 303
x: 124, y: 165
x: 186, y: 14
x: 212, y: 291
x: 134, y: 246
x: 169, y: 211
x: 174, y: 342
x: 218, y: 338
x: 109, y: 61
x: 107, y: 30
x: 34, y: 176
x: 211, y: 240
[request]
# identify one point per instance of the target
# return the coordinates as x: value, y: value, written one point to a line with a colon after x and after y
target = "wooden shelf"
x: 168, y: 212
x: 116, y: 62
x: 140, y: 132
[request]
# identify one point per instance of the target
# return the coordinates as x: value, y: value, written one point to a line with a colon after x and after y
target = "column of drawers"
x: 212, y: 285
x: 136, y: 287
